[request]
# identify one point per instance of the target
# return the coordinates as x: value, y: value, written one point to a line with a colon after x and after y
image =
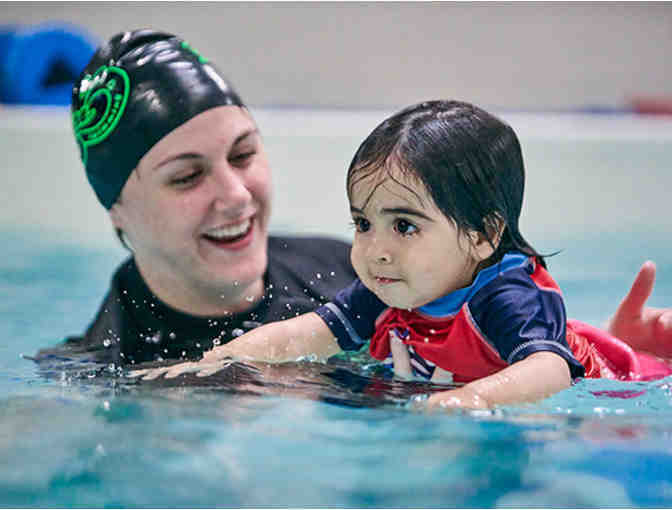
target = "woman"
x: 171, y: 151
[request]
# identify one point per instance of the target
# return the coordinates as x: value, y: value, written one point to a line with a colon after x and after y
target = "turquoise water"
x: 313, y: 435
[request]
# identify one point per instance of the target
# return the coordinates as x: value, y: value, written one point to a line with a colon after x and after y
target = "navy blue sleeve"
x: 518, y: 318
x: 352, y: 314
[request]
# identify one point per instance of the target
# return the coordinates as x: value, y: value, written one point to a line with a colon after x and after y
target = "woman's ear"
x: 116, y: 216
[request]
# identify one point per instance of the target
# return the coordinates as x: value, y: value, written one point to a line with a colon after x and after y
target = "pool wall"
x: 522, y: 55
x: 585, y: 173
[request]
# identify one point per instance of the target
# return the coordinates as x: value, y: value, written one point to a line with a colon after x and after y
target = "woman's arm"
x: 538, y: 376
x: 276, y: 342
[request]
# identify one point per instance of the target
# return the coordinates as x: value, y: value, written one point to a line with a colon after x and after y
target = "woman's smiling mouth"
x: 230, y: 234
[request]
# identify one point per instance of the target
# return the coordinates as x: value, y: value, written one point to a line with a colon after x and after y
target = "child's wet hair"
x: 469, y: 161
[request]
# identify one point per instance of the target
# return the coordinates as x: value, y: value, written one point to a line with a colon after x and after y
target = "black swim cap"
x: 135, y: 90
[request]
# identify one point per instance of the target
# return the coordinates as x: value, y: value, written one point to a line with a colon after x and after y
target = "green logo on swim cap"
x: 103, y: 98
x: 188, y: 47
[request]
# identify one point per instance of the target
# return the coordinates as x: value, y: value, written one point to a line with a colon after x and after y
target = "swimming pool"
x: 313, y: 435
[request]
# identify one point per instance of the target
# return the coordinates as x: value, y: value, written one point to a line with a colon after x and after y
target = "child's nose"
x: 380, y: 253
x: 383, y: 258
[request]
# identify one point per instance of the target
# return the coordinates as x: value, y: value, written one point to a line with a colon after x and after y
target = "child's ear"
x: 484, y: 246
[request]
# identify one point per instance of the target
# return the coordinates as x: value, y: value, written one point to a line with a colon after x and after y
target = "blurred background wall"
x: 527, y: 55
x: 319, y: 76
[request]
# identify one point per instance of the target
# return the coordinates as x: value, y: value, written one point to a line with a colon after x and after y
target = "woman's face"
x: 196, y: 212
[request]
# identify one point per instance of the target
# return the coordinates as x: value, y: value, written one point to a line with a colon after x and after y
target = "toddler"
x: 448, y: 288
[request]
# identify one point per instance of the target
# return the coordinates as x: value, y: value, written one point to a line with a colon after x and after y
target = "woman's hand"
x: 643, y: 328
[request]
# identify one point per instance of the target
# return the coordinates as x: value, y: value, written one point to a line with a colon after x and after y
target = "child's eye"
x: 187, y: 180
x: 405, y: 227
x: 361, y: 224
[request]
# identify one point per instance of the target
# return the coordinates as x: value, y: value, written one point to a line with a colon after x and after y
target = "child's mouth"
x: 383, y: 280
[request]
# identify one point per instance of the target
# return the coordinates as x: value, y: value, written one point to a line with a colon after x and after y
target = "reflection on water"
x: 312, y: 434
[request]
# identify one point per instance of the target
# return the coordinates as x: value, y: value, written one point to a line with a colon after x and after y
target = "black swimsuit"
x: 133, y: 326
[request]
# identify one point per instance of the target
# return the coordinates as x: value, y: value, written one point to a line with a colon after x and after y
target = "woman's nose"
x: 231, y: 191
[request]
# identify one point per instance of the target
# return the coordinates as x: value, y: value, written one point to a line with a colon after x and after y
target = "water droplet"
x: 198, y: 344
x: 172, y: 335
x: 107, y: 342
x: 249, y: 299
x: 289, y: 307
x: 319, y: 276
x: 426, y: 340
x: 332, y: 274
x: 236, y: 283
x: 237, y: 332
x: 184, y: 353
x: 106, y: 405
x: 312, y: 282
x: 285, y: 287
x: 432, y: 331
x: 216, y: 341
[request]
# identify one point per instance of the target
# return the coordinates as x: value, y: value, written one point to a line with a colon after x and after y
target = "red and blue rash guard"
x: 511, y: 310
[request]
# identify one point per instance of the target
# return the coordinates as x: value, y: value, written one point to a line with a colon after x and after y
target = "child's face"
x: 405, y: 250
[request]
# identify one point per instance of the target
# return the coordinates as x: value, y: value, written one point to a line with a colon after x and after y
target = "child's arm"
x: 538, y: 376
x: 277, y: 342
x: 288, y: 340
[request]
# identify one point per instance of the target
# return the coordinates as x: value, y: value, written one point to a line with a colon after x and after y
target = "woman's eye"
x: 186, y: 180
x: 405, y: 227
x: 241, y: 158
x: 361, y: 224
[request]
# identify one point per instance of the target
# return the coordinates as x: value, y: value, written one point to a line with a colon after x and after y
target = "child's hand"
x: 643, y: 328
x: 464, y: 398
x: 202, y: 369
x: 213, y: 361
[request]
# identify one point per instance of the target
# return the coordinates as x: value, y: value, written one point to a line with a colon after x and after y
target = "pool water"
x: 341, y: 434
x: 307, y: 434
